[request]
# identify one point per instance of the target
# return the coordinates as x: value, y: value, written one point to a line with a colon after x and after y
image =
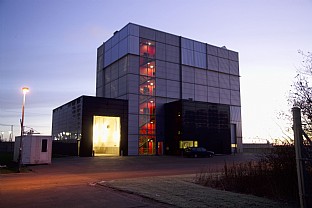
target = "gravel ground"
x: 181, y: 191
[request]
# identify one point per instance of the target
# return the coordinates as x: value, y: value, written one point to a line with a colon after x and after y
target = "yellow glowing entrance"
x: 106, y: 135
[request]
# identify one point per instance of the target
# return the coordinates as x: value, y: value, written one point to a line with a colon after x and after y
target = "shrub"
x: 273, y: 175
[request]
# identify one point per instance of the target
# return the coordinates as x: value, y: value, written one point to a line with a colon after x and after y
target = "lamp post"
x: 25, y: 90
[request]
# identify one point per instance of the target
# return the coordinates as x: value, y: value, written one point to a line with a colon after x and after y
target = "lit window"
x: 234, y: 145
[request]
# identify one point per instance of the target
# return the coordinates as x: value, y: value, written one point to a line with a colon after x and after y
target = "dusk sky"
x: 50, y: 47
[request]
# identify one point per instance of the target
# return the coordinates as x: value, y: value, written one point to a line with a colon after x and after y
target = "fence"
x: 7, y: 147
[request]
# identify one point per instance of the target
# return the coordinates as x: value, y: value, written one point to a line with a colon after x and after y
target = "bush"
x: 273, y: 175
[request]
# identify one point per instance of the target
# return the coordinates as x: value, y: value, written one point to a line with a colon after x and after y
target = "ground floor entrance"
x: 106, y: 135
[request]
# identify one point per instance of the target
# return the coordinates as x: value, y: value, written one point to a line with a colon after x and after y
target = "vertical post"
x: 298, y: 138
x: 25, y: 90
x: 11, y: 134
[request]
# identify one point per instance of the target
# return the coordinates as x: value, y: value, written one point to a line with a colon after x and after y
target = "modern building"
x: 91, y: 125
x: 180, y: 92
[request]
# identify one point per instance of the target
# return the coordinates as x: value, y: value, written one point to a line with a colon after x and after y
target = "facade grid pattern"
x: 183, y: 69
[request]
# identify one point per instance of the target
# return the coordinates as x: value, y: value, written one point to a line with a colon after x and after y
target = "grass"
x: 181, y: 191
x: 272, y: 176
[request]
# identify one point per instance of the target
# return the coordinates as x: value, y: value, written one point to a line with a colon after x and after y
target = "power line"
x: 6, y: 125
x: 29, y: 113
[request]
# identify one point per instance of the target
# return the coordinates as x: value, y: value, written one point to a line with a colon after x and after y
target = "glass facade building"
x: 151, y: 68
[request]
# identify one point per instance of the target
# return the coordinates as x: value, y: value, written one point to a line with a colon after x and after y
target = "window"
x: 147, y: 107
x: 185, y: 144
x: 44, y: 145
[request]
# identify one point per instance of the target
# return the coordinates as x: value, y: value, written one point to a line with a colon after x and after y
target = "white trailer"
x: 36, y: 149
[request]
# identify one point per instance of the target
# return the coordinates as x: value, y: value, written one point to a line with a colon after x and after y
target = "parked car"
x: 197, y: 152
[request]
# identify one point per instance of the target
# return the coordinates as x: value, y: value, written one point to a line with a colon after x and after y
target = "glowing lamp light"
x: 152, y: 83
x: 25, y: 90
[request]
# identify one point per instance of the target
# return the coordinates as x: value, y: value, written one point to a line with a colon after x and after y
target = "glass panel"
x: 147, y: 121
x: 147, y: 48
x: 106, y: 135
x: 147, y: 145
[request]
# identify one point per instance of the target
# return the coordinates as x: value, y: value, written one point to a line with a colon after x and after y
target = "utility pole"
x: 305, y: 202
x: 20, y: 155
x: 11, y: 134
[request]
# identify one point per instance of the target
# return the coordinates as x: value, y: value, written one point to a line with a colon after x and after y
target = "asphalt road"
x: 72, y: 181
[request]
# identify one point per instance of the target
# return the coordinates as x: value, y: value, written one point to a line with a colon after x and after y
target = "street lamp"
x: 25, y: 90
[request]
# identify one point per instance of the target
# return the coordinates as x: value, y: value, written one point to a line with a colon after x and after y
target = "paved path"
x: 72, y: 181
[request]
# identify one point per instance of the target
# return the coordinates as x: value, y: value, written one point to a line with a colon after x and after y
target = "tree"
x: 301, y: 93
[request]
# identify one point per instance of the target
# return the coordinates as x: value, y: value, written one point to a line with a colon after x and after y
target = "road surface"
x: 72, y: 181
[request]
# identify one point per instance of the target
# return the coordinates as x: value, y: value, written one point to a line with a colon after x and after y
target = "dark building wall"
x: 95, y: 106
x: 90, y: 107
x: 64, y: 148
x: 206, y: 123
x: 173, y: 127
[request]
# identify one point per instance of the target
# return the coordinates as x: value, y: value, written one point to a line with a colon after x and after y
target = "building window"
x: 185, y: 144
x: 147, y: 104
x: 44, y: 145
